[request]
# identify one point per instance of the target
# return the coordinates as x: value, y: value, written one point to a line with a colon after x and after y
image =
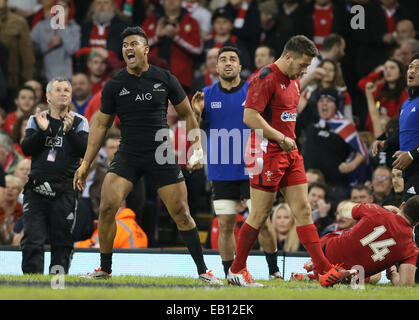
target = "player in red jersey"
x: 379, y: 240
x: 273, y: 160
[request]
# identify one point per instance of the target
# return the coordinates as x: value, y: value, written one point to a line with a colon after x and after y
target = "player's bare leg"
x: 115, y: 189
x: 262, y: 203
x: 226, y: 240
x: 175, y: 198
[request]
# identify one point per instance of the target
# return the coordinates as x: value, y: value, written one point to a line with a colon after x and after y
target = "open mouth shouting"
x: 131, y: 57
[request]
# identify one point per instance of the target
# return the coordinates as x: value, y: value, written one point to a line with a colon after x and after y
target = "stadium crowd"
x: 350, y: 96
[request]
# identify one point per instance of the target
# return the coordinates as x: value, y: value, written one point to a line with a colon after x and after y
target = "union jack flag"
x: 347, y: 131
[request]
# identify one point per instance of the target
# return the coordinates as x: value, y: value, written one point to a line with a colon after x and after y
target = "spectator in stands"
x: 22, y: 171
x: 361, y: 194
x: 374, y: 43
x: 290, y: 15
x: 264, y: 55
x: 341, y: 223
x: 43, y: 12
x: 324, y: 17
x: 10, y: 209
x: 333, y: 48
x: 408, y: 48
x: 321, y: 207
x: 201, y: 14
x: 314, y: 175
x: 393, y: 13
x: 37, y: 87
x: 9, y: 158
x: 246, y: 25
x: 270, y: 24
x: 331, y: 78
x: 222, y: 23
x: 82, y: 91
x: 405, y: 29
x: 129, y: 234
x: 110, y: 147
x: 103, y: 27
x: 25, y: 104
x: 386, y: 90
x: 397, y: 181
x: 381, y: 184
x: 285, y: 228
x: 57, y: 46
x: 174, y: 36
x: 211, y: 75
x: 332, y: 145
x: 15, y: 35
x: 98, y: 72
x: 18, y: 133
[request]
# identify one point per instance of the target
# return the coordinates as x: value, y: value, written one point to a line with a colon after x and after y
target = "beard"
x: 103, y: 17
x: 228, y: 78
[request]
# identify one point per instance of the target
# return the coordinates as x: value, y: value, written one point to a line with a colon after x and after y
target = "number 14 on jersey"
x: 380, y: 248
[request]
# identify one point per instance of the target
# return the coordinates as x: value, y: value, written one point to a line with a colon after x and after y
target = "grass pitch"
x: 38, y: 287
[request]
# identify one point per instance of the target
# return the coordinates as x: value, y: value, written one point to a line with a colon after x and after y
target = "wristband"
x: 282, y: 141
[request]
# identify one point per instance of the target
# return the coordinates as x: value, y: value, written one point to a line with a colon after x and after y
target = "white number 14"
x: 380, y: 248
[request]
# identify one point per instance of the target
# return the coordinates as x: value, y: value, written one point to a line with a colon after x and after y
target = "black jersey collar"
x: 413, y: 92
x: 234, y: 89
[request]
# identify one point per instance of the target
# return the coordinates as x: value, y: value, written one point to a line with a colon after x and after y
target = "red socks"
x: 310, y: 239
x: 247, y: 239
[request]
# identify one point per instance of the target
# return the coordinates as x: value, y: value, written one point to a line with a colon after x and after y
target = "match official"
x: 57, y: 140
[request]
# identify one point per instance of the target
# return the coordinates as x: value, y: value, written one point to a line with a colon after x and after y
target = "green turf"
x: 175, y: 288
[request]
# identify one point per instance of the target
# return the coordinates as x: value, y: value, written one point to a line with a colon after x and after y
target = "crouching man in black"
x: 56, y: 139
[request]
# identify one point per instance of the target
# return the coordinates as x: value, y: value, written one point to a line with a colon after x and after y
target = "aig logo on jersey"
x: 144, y: 96
x: 288, y: 116
x: 54, y: 142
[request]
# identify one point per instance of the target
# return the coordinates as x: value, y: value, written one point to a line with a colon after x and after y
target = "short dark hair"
x: 331, y: 40
x: 361, y: 187
x: 228, y: 49
x: 411, y: 209
x: 318, y: 185
x: 129, y: 31
x: 272, y: 51
x: 300, y: 45
x: 416, y: 56
x: 25, y: 88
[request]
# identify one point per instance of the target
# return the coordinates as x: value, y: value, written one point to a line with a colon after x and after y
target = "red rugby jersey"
x: 276, y: 97
x: 378, y: 241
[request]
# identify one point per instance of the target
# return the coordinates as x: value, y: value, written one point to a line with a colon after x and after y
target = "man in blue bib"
x: 221, y: 108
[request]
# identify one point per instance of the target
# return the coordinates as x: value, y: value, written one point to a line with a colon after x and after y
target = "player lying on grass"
x: 380, y: 240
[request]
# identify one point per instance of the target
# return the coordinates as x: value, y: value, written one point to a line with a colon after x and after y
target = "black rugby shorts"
x: 133, y: 168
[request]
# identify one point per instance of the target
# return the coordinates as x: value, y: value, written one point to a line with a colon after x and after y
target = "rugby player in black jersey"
x: 139, y: 95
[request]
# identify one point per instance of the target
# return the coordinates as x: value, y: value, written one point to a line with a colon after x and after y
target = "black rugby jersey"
x: 141, y: 105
